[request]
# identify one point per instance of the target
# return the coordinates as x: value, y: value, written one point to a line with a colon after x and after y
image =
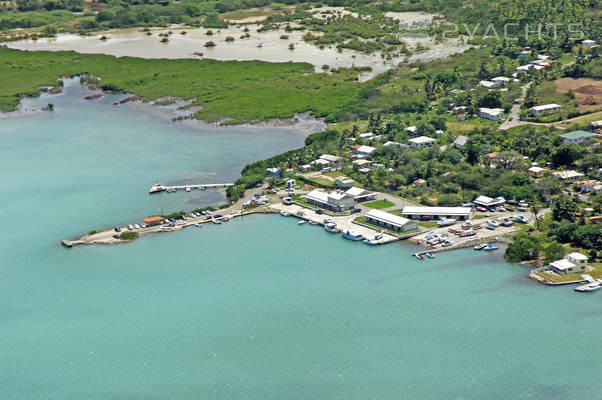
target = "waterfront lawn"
x: 379, y: 204
x: 232, y: 91
x: 596, y: 273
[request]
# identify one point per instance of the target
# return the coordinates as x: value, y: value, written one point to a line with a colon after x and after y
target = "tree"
x: 28, y: 5
x: 523, y: 248
x: 554, y: 251
x: 564, y: 208
x: 566, y: 154
x: 492, y: 100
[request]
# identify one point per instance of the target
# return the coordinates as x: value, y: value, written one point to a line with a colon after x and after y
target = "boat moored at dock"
x: 351, y: 235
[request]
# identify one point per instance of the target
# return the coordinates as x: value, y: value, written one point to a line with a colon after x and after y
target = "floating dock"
x: 157, y: 187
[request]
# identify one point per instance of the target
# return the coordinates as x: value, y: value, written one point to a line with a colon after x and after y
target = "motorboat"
x: 370, y: 242
x: 490, y: 247
x: 216, y: 221
x: 331, y: 227
x: 157, y: 187
x: 467, y: 225
x: 284, y: 213
x: 188, y: 189
x: 589, y: 287
x: 378, y: 237
x: 429, y: 255
x: 351, y: 235
x: 522, y: 219
x: 303, y: 221
x: 468, y: 232
x: 479, y: 246
x: 198, y: 225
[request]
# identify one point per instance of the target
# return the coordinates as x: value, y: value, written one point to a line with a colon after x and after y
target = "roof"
x: 460, y: 140
x: 329, y: 157
x: 577, y: 135
x: 536, y: 169
x: 422, y: 139
x: 566, y: 174
x: 318, y: 195
x: 486, y: 110
x: 545, y: 107
x: 487, y: 201
x: 578, y: 256
x: 320, y: 161
x: 501, y: 78
x: 153, y: 219
x: 355, y: 191
x: 365, y: 149
x: 383, y: 216
x: 562, y: 264
x: 411, y: 128
x: 412, y: 210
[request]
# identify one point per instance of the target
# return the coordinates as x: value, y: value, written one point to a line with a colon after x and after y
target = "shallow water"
x: 135, y: 43
x: 257, y: 308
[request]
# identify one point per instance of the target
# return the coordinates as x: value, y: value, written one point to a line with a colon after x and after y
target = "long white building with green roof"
x: 575, y: 137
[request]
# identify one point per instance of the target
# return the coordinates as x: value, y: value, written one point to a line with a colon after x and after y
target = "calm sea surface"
x: 258, y: 308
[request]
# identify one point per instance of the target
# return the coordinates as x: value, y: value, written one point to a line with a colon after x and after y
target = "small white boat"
x: 331, y: 227
x: 378, y: 237
x: 589, y: 287
x: 198, y: 225
x: 304, y: 221
x: 284, y: 213
x: 351, y: 235
x: 216, y: 221
x: 446, y: 222
x: 490, y: 247
x: 188, y: 189
x: 157, y: 187
x: 370, y: 242
x: 429, y: 255
x: 479, y: 246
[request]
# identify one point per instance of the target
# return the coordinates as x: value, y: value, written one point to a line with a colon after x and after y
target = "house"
x: 567, y: 175
x: 390, y: 221
x: 402, y: 145
x: 319, y: 163
x: 574, y: 263
x: 411, y: 130
x: 366, y: 136
x: 494, y: 114
x: 524, y: 68
x: 364, y: 150
x: 343, y: 181
x: 591, y: 186
x: 360, y: 194
x: 489, y: 84
x: 153, y: 221
x: 501, y: 80
x: 422, y: 141
x: 595, y: 126
x: 461, y: 117
x: 364, y: 170
x: 439, y: 132
x: 362, y: 163
x: 588, y: 43
x: 536, y: 172
x: 489, y: 202
x: 459, y: 109
x: 546, y: 109
x: 575, y: 137
x: 336, y: 201
x: 274, y: 172
x: 457, y: 213
x: 333, y: 160
x: 460, y: 141
x: 290, y: 184
x: 304, y: 167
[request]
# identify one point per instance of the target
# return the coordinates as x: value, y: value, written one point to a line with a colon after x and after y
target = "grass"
x: 235, y: 91
x: 379, y: 204
x: 596, y: 273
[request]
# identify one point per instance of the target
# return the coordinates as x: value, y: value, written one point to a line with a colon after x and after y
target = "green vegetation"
x: 128, y: 235
x: 227, y: 90
x: 379, y: 204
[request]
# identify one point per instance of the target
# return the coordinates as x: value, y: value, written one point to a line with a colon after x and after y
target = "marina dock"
x: 157, y: 187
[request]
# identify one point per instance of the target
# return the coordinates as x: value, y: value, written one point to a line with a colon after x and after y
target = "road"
x: 513, y: 118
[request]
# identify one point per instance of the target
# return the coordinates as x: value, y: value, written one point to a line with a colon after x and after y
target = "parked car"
x: 207, y: 218
x: 319, y: 212
x: 425, y: 218
x: 130, y: 227
x: 115, y: 236
x: 117, y: 229
x: 136, y: 226
x: 481, y: 208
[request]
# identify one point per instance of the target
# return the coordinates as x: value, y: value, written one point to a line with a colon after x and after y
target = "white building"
x: 362, y: 162
x: 402, y: 145
x: 333, y: 160
x: 366, y: 136
x: 494, y: 114
x: 458, y: 213
x: 390, y: 221
x: 360, y: 194
x: 536, y: 172
x: 546, y: 109
x: 343, y: 181
x: 460, y: 141
x: 422, y: 141
x: 337, y: 202
x: 489, y: 84
x: 567, y: 175
x: 575, y: 263
x: 487, y: 202
x: 365, y: 150
x: 501, y: 80
x: 411, y: 130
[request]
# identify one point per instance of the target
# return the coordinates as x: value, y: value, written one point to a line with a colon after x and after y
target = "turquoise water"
x: 258, y: 308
